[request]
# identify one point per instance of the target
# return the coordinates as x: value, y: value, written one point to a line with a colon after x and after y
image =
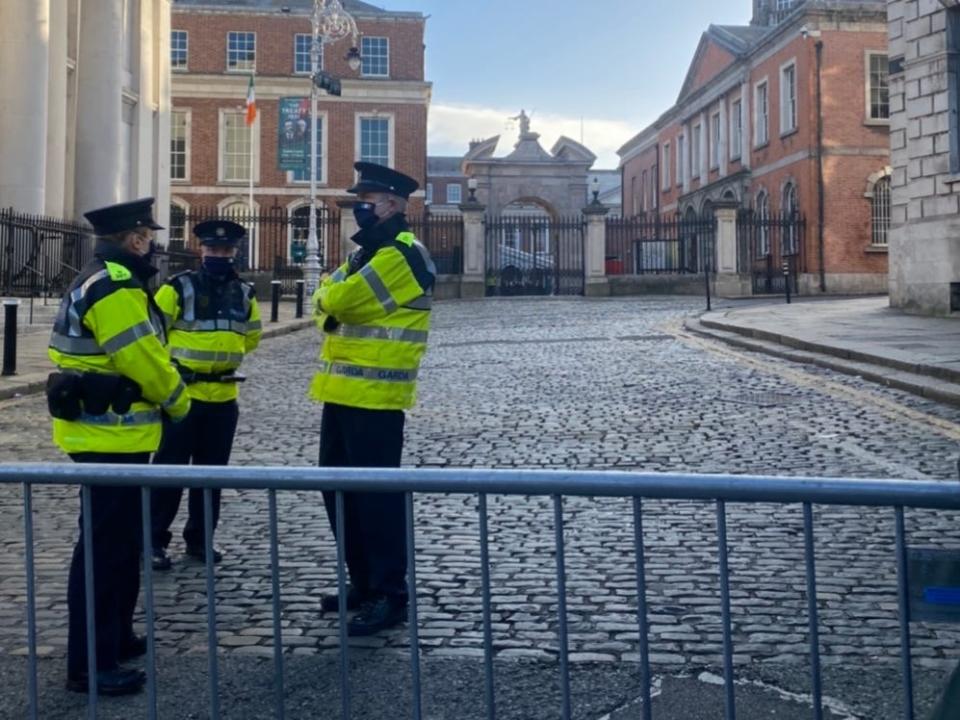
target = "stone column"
x: 597, y: 284
x: 728, y: 281
x: 746, y: 140
x: 723, y: 152
x: 56, y: 171
x: 24, y: 78
x: 473, y: 279
x: 99, y: 168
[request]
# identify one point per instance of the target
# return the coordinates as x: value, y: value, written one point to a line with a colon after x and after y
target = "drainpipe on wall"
x: 820, y: 211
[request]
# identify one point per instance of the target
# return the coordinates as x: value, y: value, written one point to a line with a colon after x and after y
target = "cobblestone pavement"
x: 555, y: 384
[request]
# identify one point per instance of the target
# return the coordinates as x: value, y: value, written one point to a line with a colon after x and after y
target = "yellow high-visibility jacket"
x: 213, y: 323
x: 107, y: 323
x: 375, y: 321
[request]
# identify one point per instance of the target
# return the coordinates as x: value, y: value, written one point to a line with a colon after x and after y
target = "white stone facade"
x: 85, y: 92
x: 925, y: 226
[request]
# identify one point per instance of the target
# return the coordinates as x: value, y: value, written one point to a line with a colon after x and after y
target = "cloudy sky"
x: 608, y: 66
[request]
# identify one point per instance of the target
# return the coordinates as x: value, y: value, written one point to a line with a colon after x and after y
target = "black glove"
x: 331, y: 324
x: 63, y: 396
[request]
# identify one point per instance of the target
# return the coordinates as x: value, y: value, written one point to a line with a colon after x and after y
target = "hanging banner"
x: 293, y: 134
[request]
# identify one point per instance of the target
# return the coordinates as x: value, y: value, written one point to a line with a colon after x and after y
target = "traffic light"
x: 325, y: 81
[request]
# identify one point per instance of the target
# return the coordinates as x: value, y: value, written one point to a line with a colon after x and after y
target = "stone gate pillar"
x: 728, y: 279
x: 595, y: 251
x: 472, y: 281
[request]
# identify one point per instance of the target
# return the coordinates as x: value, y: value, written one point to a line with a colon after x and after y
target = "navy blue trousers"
x: 117, y: 538
x: 375, y: 524
x: 204, y: 437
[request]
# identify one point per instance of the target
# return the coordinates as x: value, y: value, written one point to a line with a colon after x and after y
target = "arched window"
x: 763, y: 223
x: 790, y: 209
x: 880, y: 212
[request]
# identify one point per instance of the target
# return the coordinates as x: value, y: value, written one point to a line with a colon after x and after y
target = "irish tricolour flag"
x: 251, y: 103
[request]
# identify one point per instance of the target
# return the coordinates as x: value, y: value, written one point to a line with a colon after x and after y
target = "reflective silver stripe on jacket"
x: 424, y: 302
x: 174, y: 396
x: 143, y: 417
x: 188, y: 311
x: 73, y: 317
x: 254, y: 325
x: 369, y: 373
x: 425, y: 254
x: 382, y: 333
x: 128, y: 337
x: 338, y: 275
x: 379, y: 289
x: 211, y: 326
x: 75, y: 345
x: 206, y: 355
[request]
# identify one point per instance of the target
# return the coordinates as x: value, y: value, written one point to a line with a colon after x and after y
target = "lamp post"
x: 472, y: 188
x: 330, y: 23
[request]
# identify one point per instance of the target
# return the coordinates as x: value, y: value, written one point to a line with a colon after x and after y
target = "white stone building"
x: 85, y: 98
x: 925, y: 145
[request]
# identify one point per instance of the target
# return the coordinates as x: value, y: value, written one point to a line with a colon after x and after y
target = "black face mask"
x: 366, y: 215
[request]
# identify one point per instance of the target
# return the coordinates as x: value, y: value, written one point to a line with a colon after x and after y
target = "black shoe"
x: 161, y: 561
x: 110, y: 682
x: 198, y: 552
x: 331, y: 603
x: 375, y: 615
x: 133, y: 647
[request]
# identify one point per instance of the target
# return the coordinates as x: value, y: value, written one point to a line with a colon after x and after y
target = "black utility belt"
x: 228, y: 376
x: 71, y: 394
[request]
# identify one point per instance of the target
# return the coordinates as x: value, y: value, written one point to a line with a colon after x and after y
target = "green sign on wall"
x: 293, y: 134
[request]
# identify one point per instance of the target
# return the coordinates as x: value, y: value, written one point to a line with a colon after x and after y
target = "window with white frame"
x: 736, y: 130
x: 880, y: 212
x: 788, y: 98
x: 665, y: 166
x: 715, y: 141
x: 241, y: 51
x: 375, y: 52
x: 177, y: 230
x: 302, y: 42
x: 454, y: 194
x: 179, y: 145
x: 761, y: 110
x: 235, y: 155
x: 762, y: 215
x: 643, y: 190
x: 178, y: 49
x: 429, y: 192
x: 303, y: 175
x: 375, y: 140
x: 681, y: 159
x: 790, y: 209
x: 653, y: 189
x: 878, y: 86
x: 695, y: 151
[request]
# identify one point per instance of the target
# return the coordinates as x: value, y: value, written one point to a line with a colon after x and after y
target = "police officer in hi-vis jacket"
x: 375, y: 314
x: 114, y: 382
x: 213, y: 321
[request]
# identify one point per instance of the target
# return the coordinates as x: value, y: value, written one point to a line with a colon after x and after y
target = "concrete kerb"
x: 890, y: 372
x: 947, y: 374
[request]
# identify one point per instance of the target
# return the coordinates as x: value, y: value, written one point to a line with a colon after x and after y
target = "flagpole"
x: 251, y: 123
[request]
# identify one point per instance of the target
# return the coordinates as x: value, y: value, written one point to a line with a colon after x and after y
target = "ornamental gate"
x: 534, y: 255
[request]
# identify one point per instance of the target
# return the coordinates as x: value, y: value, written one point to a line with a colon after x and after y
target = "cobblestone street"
x: 554, y: 384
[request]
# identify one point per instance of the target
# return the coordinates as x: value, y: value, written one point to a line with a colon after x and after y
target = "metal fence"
x: 534, y: 255
x: 442, y: 234
x: 771, y: 249
x: 719, y: 489
x: 659, y: 245
x: 40, y: 255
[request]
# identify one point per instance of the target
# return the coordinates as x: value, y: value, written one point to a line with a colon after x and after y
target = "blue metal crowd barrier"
x: 720, y: 489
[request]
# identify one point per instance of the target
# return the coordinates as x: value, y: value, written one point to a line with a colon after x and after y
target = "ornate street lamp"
x: 331, y: 23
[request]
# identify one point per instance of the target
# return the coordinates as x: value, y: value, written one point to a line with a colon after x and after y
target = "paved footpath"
x: 558, y: 384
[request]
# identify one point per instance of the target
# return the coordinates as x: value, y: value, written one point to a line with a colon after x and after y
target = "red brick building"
x: 381, y: 115
x: 745, y: 129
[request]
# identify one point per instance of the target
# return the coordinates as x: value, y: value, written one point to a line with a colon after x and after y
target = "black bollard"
x: 300, y: 286
x: 10, y: 337
x: 275, y: 300
x: 786, y: 279
x: 706, y: 274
